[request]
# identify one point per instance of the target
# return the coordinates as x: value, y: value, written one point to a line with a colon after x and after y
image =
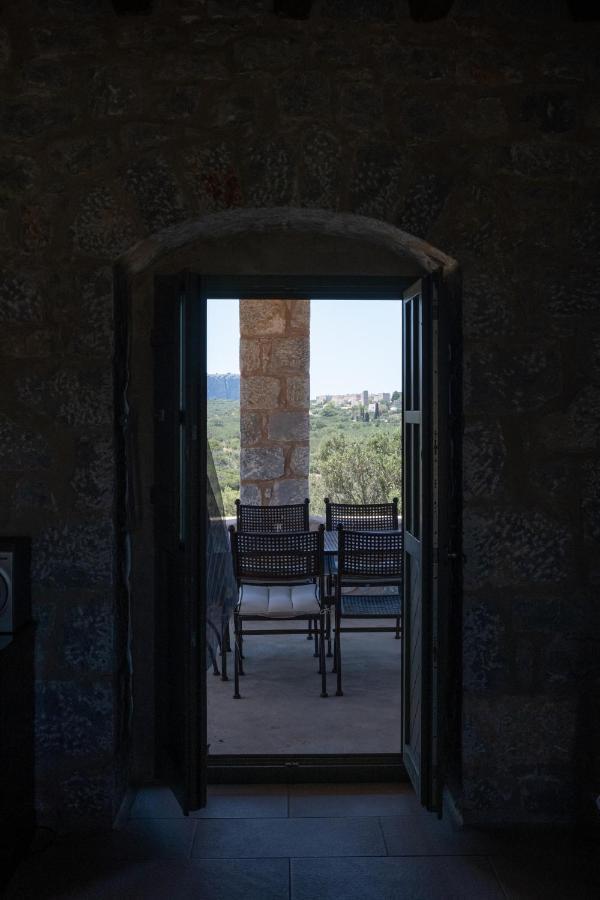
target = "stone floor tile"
x: 136, y: 839
x: 223, y: 801
x: 56, y: 875
x: 155, y: 802
x: 153, y: 838
x: 564, y: 874
x: 353, y: 800
x: 249, y: 801
x: 232, y: 879
x: 424, y: 834
x: 389, y: 878
x: 149, y: 839
x: 257, y: 838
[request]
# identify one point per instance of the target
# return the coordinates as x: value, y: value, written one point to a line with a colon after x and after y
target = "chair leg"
x: 397, y: 636
x: 338, y: 654
x: 239, y: 640
x: 225, y: 645
x: 237, y: 658
x: 309, y: 633
x: 329, y: 653
x: 322, y: 665
x: 334, y: 630
x: 316, y: 630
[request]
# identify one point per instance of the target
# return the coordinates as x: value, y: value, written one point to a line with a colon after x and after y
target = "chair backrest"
x: 269, y: 556
x: 373, y: 554
x: 293, y: 517
x: 362, y: 516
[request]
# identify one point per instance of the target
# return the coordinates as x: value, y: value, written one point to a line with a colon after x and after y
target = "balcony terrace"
x: 281, y: 711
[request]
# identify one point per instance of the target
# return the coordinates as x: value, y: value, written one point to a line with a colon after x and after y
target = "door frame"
x: 227, y: 768
x: 128, y: 490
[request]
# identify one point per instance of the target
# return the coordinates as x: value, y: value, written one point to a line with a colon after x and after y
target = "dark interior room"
x: 156, y: 153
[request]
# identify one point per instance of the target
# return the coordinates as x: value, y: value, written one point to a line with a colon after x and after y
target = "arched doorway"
x: 284, y: 242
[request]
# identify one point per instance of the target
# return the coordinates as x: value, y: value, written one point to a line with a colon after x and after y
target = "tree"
x: 396, y: 395
x: 360, y: 471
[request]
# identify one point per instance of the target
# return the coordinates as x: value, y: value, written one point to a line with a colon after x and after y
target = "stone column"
x: 274, y: 400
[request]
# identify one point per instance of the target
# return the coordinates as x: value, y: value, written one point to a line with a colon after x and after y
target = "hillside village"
x: 363, y: 405
x: 356, y: 416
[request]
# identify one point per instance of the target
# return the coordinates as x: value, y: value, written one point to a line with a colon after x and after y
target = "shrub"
x: 367, y: 471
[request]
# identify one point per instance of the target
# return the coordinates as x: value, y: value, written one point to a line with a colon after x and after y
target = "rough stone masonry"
x: 478, y: 133
x: 274, y: 400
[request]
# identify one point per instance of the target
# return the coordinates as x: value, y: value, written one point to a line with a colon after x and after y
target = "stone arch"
x: 280, y: 241
x: 228, y: 225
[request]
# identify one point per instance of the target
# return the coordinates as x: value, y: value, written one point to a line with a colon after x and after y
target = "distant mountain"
x: 223, y: 387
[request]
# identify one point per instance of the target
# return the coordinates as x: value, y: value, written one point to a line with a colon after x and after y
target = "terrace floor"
x: 281, y: 710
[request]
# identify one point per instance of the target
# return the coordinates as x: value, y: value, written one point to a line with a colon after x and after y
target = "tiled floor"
x: 305, y: 842
x: 281, y: 710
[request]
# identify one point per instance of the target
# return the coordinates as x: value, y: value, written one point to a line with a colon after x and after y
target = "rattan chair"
x: 279, y: 577
x: 282, y: 518
x: 250, y: 518
x: 368, y: 559
x: 362, y: 516
x: 358, y: 517
x: 291, y: 517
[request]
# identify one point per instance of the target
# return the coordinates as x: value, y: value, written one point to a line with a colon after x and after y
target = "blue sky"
x: 355, y: 345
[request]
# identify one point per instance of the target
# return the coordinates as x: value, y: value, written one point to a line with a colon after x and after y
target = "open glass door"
x: 426, y: 515
x: 180, y: 533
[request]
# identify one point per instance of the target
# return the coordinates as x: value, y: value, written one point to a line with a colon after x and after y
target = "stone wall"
x: 478, y: 133
x: 274, y: 400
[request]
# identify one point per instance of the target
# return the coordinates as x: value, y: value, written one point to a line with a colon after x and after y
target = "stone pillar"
x: 274, y: 400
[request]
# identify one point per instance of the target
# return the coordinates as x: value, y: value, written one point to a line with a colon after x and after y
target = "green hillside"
x: 326, y: 422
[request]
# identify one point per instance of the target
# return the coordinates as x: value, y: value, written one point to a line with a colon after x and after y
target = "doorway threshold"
x: 305, y: 768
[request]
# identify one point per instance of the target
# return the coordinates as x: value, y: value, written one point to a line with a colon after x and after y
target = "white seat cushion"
x: 279, y: 601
